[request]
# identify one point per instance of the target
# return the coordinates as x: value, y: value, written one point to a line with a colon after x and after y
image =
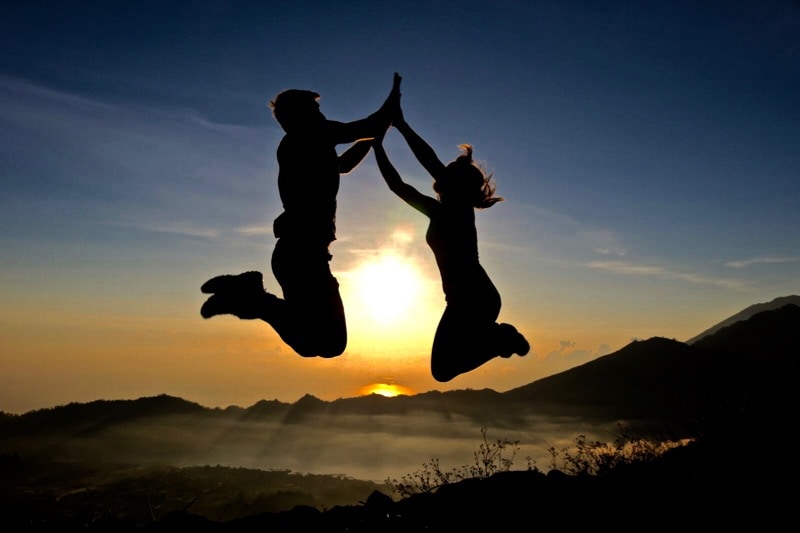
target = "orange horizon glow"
x: 390, y: 390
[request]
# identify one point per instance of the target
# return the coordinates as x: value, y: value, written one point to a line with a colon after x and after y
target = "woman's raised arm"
x: 414, y: 198
x: 421, y: 149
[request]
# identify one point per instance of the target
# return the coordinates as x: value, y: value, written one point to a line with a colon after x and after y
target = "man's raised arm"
x: 375, y: 124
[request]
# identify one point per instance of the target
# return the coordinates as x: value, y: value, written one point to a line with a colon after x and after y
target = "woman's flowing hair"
x: 466, y: 173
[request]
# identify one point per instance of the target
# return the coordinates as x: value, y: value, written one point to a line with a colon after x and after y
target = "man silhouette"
x: 310, y: 317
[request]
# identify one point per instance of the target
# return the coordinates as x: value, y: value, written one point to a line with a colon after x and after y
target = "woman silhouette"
x: 468, y: 334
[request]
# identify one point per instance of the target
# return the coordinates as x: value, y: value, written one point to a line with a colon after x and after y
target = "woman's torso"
x: 453, y: 238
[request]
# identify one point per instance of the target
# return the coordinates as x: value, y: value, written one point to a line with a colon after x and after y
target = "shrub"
x: 489, y: 459
x: 595, y: 458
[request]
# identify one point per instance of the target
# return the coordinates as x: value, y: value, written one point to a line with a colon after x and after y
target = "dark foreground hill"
x: 695, y: 486
x: 746, y: 367
x: 691, y: 487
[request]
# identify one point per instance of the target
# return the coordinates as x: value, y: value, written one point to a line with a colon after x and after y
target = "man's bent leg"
x: 314, y: 322
x: 242, y: 295
x: 319, y: 328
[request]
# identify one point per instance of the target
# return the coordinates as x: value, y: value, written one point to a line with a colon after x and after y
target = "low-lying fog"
x: 362, y: 447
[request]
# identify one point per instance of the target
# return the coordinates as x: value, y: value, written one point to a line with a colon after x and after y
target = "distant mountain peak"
x: 774, y: 333
x: 747, y: 313
x: 310, y: 399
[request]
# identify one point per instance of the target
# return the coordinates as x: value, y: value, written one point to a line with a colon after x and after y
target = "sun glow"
x: 390, y: 390
x: 393, y: 300
x: 387, y: 286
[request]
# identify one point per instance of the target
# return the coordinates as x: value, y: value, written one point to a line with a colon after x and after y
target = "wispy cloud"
x: 127, y: 164
x: 604, y: 242
x: 569, y: 355
x: 568, y: 234
x: 761, y: 260
x: 627, y: 268
x: 172, y: 228
x: 254, y: 230
x: 568, y: 350
x: 209, y: 233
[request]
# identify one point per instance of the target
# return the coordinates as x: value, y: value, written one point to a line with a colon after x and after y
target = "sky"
x: 647, y: 153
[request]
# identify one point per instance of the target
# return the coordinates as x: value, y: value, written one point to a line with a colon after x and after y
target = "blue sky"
x: 647, y: 152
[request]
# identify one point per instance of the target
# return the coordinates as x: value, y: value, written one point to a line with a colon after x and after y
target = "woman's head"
x: 465, y: 179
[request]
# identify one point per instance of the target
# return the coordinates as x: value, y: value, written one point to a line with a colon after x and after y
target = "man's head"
x: 296, y: 108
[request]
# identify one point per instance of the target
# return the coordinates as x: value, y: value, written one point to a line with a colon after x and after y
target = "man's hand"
x: 394, y: 98
x: 388, y: 110
x: 396, y: 86
x: 393, y: 101
x: 398, y: 120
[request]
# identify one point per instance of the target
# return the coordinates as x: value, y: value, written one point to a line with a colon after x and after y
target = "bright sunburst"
x: 387, y: 286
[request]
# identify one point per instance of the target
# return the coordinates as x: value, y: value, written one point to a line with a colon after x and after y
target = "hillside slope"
x: 746, y: 313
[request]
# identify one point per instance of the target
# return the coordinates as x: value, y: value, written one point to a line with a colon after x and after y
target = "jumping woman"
x: 468, y: 334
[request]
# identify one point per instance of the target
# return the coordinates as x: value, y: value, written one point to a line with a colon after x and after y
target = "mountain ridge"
x: 747, y: 313
x: 656, y: 378
x: 165, y: 403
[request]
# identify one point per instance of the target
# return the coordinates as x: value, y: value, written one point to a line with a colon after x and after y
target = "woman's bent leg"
x: 460, y: 345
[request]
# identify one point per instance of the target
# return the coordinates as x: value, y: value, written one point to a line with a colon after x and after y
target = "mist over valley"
x: 727, y: 384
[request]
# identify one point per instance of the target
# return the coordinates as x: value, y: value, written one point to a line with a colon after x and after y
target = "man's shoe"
x: 244, y: 282
x: 512, y: 341
x: 247, y: 306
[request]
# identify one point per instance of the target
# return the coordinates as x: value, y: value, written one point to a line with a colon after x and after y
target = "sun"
x: 393, y: 304
x: 386, y: 287
x: 390, y: 390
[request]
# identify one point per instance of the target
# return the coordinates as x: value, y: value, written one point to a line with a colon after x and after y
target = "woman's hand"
x: 398, y: 120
